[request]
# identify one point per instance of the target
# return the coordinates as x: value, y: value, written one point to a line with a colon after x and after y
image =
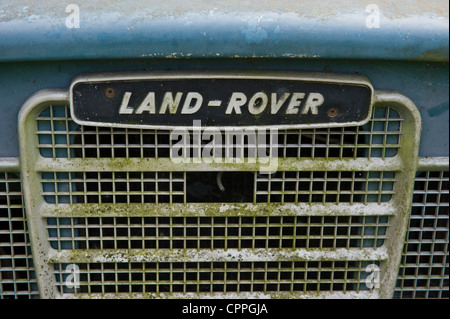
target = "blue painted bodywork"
x: 408, y: 53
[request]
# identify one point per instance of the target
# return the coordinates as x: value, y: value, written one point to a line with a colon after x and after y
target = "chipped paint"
x: 437, y: 54
x: 254, y: 33
x: 438, y: 109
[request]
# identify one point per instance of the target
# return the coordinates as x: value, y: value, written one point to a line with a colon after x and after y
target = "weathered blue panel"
x: 409, y: 52
x: 427, y: 84
x: 408, y: 30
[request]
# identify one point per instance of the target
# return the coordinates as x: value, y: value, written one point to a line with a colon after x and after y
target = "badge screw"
x: 333, y: 112
x: 110, y: 93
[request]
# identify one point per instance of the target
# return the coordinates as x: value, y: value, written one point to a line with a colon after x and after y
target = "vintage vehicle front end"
x: 200, y: 149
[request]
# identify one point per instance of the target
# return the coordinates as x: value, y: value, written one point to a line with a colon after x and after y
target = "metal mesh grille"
x: 210, y: 277
x: 325, y: 187
x: 60, y: 137
x: 424, y: 271
x: 114, y: 187
x: 17, y: 277
x: 182, y: 187
x: 329, y: 232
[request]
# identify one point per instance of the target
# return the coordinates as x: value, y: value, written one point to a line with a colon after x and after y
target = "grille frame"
x: 32, y: 165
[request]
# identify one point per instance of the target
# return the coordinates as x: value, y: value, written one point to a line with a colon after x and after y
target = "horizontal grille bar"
x: 373, y: 294
x: 168, y: 165
x: 216, y: 209
x: 205, y: 255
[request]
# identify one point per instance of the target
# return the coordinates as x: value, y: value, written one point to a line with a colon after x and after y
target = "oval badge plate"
x: 158, y: 99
